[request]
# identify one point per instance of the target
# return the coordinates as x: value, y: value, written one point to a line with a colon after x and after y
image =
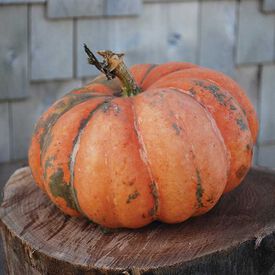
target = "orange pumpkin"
x: 165, y: 148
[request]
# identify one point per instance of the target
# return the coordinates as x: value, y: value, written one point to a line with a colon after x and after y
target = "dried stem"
x: 113, y: 66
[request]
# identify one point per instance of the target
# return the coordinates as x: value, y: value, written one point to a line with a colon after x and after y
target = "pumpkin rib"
x: 104, y: 86
x: 149, y: 109
x: 199, y: 192
x: 130, y: 179
x: 76, y: 143
x: 52, y: 115
x: 45, y: 122
x: 144, y: 158
x: 118, y: 193
x: 159, y: 71
x: 204, y: 205
x: 169, y: 151
x: 79, y: 184
x: 230, y: 119
x: 58, y: 109
x: 51, y: 123
x: 57, y: 159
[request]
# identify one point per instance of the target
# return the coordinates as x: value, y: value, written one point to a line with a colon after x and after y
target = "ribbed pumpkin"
x: 166, y: 148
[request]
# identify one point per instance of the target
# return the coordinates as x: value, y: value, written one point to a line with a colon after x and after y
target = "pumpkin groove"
x: 158, y: 142
x: 139, y: 70
x: 143, y: 156
x: 154, y: 191
x: 152, y: 67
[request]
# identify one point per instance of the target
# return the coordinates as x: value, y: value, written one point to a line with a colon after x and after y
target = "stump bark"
x: 236, y: 237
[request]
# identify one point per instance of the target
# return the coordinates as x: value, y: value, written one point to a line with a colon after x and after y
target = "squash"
x: 156, y: 142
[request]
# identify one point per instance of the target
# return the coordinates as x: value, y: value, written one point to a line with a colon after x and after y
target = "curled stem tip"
x: 113, y: 66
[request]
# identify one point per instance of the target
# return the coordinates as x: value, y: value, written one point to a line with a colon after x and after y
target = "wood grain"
x: 236, y: 237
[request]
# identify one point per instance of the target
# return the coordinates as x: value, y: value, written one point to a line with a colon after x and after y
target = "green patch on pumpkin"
x: 48, y: 164
x: 241, y: 124
x: 153, y: 211
x: 60, y: 108
x: 200, y: 190
x: 176, y: 128
x: 59, y: 188
x: 106, y: 106
x: 232, y: 107
x: 132, y: 196
x: 214, y: 90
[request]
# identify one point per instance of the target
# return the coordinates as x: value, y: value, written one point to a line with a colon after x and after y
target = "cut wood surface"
x: 236, y: 237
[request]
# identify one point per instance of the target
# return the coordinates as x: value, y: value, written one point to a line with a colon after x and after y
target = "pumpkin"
x: 156, y: 142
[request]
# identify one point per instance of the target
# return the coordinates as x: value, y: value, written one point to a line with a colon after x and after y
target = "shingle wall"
x: 41, y: 55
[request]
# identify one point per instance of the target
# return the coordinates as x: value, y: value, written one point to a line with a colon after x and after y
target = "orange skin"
x: 176, y: 153
x: 119, y: 193
x: 225, y: 83
x: 35, y: 147
x: 63, y: 135
x: 228, y: 116
x: 166, y: 154
x: 58, y: 108
x: 157, y: 72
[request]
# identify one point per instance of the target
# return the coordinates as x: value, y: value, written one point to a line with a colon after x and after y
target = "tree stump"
x: 236, y: 237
